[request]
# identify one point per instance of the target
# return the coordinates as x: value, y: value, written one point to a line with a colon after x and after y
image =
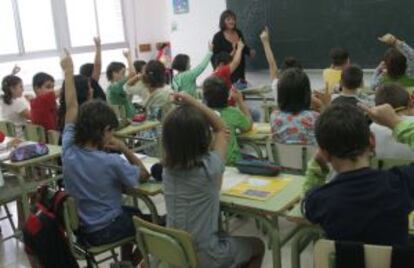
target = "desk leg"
x: 272, y: 227
x: 23, y: 203
x: 299, y: 242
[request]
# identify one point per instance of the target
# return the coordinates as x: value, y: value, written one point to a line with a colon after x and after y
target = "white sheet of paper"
x: 258, y: 182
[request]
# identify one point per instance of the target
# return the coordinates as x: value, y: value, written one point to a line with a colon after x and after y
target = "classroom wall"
x: 152, y: 24
x: 190, y: 33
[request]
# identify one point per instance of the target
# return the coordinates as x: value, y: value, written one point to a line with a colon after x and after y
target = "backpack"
x: 44, y: 234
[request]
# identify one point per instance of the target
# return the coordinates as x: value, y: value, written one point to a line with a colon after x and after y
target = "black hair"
x: 8, y: 83
x: 395, y: 62
x: 82, y: 86
x: 40, y: 79
x: 291, y: 62
x: 86, y: 69
x: 139, y: 65
x: 393, y: 94
x: 294, y: 91
x: 342, y: 131
x: 224, y: 15
x: 93, y: 119
x: 222, y: 58
x: 215, y: 92
x: 339, y: 56
x: 154, y: 75
x: 186, y: 138
x: 352, y: 77
x: 180, y: 62
x: 114, y: 66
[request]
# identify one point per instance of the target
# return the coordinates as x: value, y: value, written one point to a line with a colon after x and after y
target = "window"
x: 37, y: 25
x: 8, y: 44
x: 88, y: 18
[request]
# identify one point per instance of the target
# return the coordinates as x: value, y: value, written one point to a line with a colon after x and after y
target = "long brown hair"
x: 8, y: 83
x: 186, y: 138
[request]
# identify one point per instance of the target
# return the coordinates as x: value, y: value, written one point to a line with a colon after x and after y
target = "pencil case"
x: 258, y: 167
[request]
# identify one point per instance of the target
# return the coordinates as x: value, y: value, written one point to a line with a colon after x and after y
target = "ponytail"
x: 8, y: 83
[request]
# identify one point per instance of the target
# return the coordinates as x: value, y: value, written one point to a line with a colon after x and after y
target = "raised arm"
x: 97, y: 65
x: 70, y: 91
x: 392, y: 40
x: 273, y: 70
x: 243, y: 108
x: 133, y: 80
x: 199, y: 69
x: 131, y: 68
x: 237, y: 57
x: 218, y: 125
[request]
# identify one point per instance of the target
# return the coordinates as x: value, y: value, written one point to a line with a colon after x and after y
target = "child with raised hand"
x: 14, y: 107
x: 115, y: 73
x: 98, y: 191
x: 379, y: 199
x: 186, y: 78
x: 193, y: 173
x: 136, y: 85
x: 94, y: 70
x: 237, y: 119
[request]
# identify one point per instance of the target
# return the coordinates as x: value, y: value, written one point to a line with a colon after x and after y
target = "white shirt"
x: 12, y: 113
x: 386, y: 145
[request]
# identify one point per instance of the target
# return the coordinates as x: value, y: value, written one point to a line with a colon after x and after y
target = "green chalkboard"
x: 308, y: 29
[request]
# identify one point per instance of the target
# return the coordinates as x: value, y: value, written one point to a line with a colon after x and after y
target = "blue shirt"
x: 94, y: 179
x: 365, y: 205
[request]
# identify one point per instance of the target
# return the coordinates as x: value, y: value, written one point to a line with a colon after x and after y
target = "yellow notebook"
x: 258, y: 188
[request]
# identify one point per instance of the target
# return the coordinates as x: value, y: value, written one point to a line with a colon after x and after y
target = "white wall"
x: 194, y: 30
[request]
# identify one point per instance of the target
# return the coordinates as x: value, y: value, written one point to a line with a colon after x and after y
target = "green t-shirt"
x: 404, y: 81
x: 117, y: 96
x: 234, y: 119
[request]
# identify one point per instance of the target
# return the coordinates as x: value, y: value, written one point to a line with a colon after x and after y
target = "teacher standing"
x: 226, y: 41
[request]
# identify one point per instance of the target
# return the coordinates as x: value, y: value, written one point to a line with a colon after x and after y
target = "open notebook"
x: 258, y: 188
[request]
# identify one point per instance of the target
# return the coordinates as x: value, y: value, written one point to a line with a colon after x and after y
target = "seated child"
x: 359, y: 204
x: 395, y: 65
x: 294, y: 122
x: 386, y: 146
x: 192, y: 179
x: 332, y: 75
x: 186, y: 78
x: 14, y: 107
x: 43, y: 108
x: 289, y: 62
x: 158, y: 104
x: 98, y: 191
x: 352, y: 79
x: 136, y: 85
x: 115, y: 72
x: 93, y: 71
x: 237, y: 119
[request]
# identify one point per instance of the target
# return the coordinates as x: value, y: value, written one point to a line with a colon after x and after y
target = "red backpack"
x: 44, y: 233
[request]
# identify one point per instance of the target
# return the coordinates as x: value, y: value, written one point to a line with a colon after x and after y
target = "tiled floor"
x: 12, y: 252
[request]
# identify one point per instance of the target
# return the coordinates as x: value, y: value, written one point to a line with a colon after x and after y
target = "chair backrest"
x: 34, y: 133
x: 53, y: 137
x: 389, y: 163
x: 375, y: 256
x: 71, y: 220
x: 8, y: 128
x: 174, y: 247
x: 294, y: 156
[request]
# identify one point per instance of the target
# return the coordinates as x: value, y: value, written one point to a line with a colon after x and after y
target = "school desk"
x: 259, y: 136
x: 23, y: 169
x: 133, y: 129
x: 266, y: 213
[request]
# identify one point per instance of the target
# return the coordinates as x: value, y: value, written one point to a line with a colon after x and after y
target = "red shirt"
x: 43, y: 110
x: 224, y: 73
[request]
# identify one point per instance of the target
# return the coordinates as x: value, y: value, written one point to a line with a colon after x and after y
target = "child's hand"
x: 382, y: 115
x: 126, y: 53
x: 97, y: 41
x: 66, y: 62
x: 388, y: 39
x: 236, y: 95
x: 264, y: 36
x: 182, y: 98
x: 144, y: 175
x: 324, y: 95
x: 115, y: 145
x: 16, y: 70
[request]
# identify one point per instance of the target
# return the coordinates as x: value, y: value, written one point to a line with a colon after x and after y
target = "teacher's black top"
x: 221, y: 44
